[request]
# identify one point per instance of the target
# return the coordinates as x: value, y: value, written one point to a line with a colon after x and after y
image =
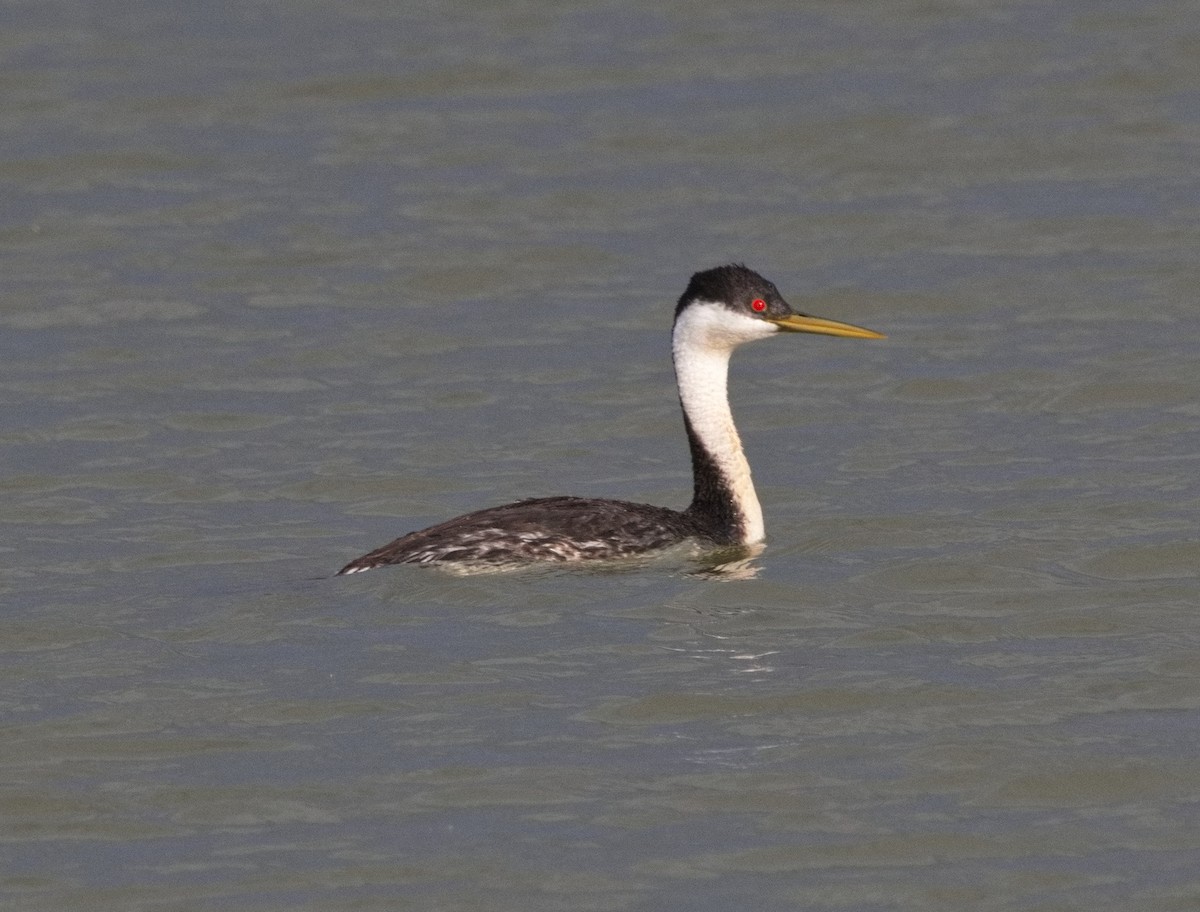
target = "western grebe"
x: 721, y: 309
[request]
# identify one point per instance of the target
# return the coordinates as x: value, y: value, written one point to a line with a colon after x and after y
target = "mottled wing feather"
x: 546, y: 529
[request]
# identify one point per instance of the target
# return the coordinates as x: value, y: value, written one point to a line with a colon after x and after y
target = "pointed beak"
x: 802, y: 323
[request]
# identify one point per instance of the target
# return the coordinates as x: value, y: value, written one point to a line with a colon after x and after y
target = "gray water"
x: 283, y: 280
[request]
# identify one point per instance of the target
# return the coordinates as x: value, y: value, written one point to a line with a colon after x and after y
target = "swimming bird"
x: 721, y: 309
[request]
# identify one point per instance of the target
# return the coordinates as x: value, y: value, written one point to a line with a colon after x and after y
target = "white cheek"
x: 706, y: 326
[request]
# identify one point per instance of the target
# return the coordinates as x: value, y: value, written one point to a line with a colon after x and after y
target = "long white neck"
x: 704, y: 337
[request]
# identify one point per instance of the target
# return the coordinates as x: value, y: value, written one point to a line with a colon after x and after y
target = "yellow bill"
x: 803, y: 323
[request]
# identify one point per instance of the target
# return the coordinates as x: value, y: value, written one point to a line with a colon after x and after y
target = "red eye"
x: 758, y: 305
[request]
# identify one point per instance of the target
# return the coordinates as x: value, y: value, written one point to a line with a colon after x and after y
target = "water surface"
x: 283, y: 281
